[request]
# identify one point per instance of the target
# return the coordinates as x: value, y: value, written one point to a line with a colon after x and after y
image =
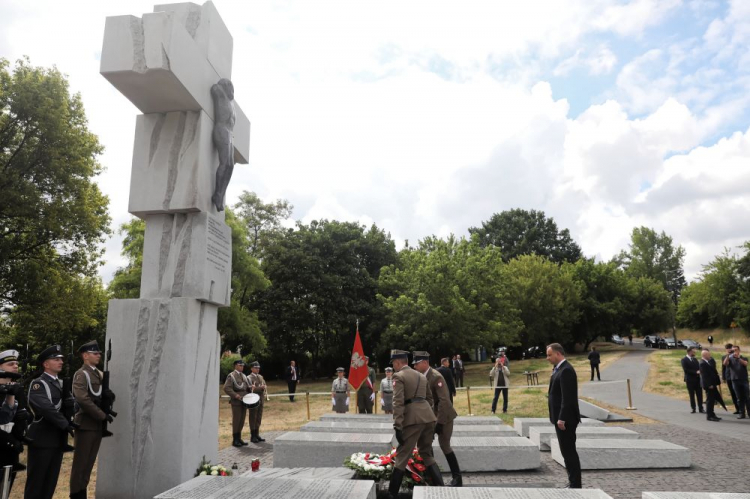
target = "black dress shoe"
x: 713, y: 418
x: 701, y: 411
x: 741, y: 416
x: 736, y: 412
x: 692, y: 412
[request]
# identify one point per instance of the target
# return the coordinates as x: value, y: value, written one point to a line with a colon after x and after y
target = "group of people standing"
x: 43, y: 418
x: 237, y: 386
x: 703, y: 375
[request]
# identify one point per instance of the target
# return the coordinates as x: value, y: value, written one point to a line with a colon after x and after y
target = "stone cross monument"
x: 165, y: 367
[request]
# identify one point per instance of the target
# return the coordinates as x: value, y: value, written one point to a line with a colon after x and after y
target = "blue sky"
x: 428, y: 117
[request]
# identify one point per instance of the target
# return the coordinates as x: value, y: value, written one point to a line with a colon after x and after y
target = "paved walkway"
x: 668, y: 410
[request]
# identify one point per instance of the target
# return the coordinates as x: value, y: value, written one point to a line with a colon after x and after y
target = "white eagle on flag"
x: 357, y: 360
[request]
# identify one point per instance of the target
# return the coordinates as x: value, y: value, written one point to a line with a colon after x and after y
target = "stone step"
x: 522, y: 425
x: 613, y: 454
x: 505, y: 493
x: 541, y: 435
x: 693, y: 495
x: 494, y: 430
x: 240, y: 487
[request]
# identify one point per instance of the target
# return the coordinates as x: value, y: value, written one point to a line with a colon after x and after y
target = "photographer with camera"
x: 11, y: 390
x: 50, y: 427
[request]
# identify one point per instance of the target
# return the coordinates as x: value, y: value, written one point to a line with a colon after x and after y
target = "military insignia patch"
x: 440, y: 383
x: 35, y: 387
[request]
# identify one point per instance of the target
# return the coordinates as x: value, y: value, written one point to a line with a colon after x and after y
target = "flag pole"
x: 356, y: 392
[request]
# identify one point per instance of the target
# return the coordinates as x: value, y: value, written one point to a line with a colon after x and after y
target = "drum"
x: 251, y: 400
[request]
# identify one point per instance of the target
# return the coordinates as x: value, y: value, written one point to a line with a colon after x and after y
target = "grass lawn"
x: 721, y: 337
x: 282, y: 415
x: 665, y: 375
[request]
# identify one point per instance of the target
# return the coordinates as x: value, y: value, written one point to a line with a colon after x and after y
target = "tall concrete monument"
x: 165, y: 368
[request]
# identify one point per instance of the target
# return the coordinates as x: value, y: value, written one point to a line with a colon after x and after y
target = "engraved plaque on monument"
x: 208, y: 487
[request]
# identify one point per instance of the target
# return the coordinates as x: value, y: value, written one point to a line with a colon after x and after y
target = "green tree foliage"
x: 742, y: 296
x: 711, y: 300
x: 324, y: 276
x: 606, y: 301
x: 53, y: 217
x: 654, y: 256
x: 262, y: 220
x: 522, y: 232
x: 548, y: 297
x: 652, y: 309
x: 126, y: 282
x: 447, y: 296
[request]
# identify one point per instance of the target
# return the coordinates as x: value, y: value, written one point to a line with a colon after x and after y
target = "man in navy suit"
x: 563, y: 410
x: 692, y: 378
x: 710, y: 381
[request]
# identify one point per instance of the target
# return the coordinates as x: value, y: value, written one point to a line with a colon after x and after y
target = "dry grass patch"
x: 665, y: 375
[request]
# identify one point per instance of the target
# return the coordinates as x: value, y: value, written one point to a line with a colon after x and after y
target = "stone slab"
x: 693, y: 495
x: 187, y: 255
x: 213, y: 487
x: 374, y: 418
x: 298, y: 449
x: 491, y: 454
x: 157, y: 65
x: 522, y: 425
x: 165, y: 369
x: 340, y: 473
x: 495, y: 430
x: 505, y: 493
x: 541, y: 435
x: 592, y: 411
x: 615, y: 454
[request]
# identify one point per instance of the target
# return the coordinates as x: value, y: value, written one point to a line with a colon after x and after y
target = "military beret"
x: 399, y: 354
x: 8, y: 356
x: 339, y: 369
x: 238, y: 361
x: 53, y: 352
x: 418, y: 356
x: 255, y: 364
x: 91, y: 346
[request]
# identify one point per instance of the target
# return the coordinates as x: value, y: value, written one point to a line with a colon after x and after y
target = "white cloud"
x: 602, y: 61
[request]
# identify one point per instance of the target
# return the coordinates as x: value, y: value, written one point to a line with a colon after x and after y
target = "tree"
x: 262, y: 220
x: 654, y: 256
x: 522, y: 232
x: 324, y: 277
x: 53, y: 218
x: 126, y: 282
x: 742, y: 296
x: 548, y: 298
x: 448, y: 296
x: 651, y: 309
x: 710, y: 301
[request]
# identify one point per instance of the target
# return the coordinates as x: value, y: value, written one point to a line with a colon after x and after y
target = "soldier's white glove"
x: 347, y: 400
x: 333, y: 401
x: 382, y: 402
x: 372, y: 397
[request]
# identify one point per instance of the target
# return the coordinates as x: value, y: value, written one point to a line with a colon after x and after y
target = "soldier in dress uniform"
x: 386, y: 391
x: 444, y: 411
x: 11, y: 415
x: 413, y: 420
x: 340, y: 392
x: 258, y: 385
x: 365, y: 394
x: 50, y: 428
x: 87, y: 391
x: 237, y: 386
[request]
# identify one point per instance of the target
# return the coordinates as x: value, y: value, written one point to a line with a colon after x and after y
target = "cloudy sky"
x: 428, y: 117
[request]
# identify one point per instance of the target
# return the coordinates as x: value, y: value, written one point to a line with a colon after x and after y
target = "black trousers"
x: 292, y: 389
x: 497, y: 396
x: 364, y: 404
x: 733, y: 394
x: 567, y: 440
x: 742, y: 389
x: 8, y: 457
x: 595, y: 367
x: 710, y: 402
x: 42, y: 472
x: 695, y: 391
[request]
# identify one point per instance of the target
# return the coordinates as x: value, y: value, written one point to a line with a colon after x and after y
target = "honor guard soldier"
x: 443, y: 409
x: 12, y: 415
x: 87, y: 392
x: 50, y: 428
x: 340, y: 392
x: 365, y: 394
x: 237, y: 386
x: 386, y: 391
x: 413, y: 420
x: 258, y: 385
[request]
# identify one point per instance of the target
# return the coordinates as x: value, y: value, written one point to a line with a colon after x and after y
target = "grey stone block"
x: 214, y: 487
x: 298, y: 449
x: 522, y: 425
x: 373, y: 418
x: 613, y: 454
x: 505, y: 493
x: 693, y: 495
x: 541, y: 435
x: 494, y: 430
x: 592, y: 411
x: 491, y: 454
x: 340, y: 473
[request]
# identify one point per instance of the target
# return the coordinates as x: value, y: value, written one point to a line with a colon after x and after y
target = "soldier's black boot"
x: 437, y: 478
x: 239, y: 436
x: 455, y: 470
x: 236, y: 442
x: 81, y: 494
x: 396, y: 478
x: 254, y: 436
x: 257, y: 435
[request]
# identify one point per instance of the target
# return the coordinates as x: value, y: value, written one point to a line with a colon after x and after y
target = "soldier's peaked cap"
x: 399, y: 354
x: 8, y: 356
x: 238, y: 361
x: 339, y: 369
x: 420, y: 355
x: 91, y: 346
x: 255, y: 364
x: 53, y: 352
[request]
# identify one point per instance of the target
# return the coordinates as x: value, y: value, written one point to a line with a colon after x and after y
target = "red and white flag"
x: 358, y: 370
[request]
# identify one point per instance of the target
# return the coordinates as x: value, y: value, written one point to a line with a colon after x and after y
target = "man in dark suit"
x: 458, y: 369
x: 726, y: 376
x: 292, y: 378
x: 563, y: 410
x: 595, y: 360
x: 692, y: 378
x: 710, y: 382
x: 445, y: 370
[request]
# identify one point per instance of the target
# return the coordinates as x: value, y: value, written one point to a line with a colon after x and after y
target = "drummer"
x: 386, y: 391
x: 237, y: 386
x: 340, y: 392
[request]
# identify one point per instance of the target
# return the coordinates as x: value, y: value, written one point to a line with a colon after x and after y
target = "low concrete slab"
x: 340, y: 473
x: 298, y: 449
x: 491, y: 454
x: 592, y: 411
x: 614, y: 454
x: 222, y: 487
x: 492, y: 430
x: 505, y: 493
x: 541, y: 435
x: 522, y: 425
x: 693, y: 495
